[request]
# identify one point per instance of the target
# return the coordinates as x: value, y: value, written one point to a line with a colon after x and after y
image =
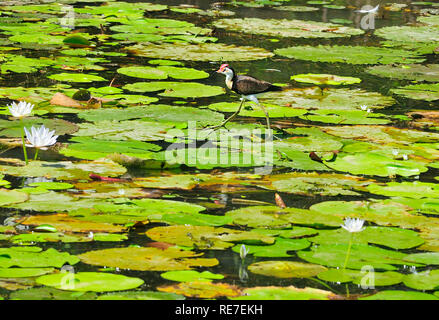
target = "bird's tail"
x: 276, y: 88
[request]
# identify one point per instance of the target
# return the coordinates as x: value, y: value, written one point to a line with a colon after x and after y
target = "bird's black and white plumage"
x: 248, y: 87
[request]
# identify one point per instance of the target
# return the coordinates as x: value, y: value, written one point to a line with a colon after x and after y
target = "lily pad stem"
x: 36, y: 154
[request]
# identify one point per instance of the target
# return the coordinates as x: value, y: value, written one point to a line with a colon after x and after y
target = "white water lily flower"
x: 353, y: 225
x: 40, y: 138
x: 20, y: 109
x: 363, y: 107
x: 243, y: 251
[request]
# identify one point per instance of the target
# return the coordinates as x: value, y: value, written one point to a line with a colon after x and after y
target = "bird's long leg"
x: 266, y: 115
x: 228, y: 119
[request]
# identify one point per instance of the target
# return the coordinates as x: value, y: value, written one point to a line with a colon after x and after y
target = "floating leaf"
x: 204, y: 237
x: 147, y: 259
x: 334, y: 255
x: 278, y: 249
x: 191, y: 275
x: 141, y: 295
x: 287, y: 28
x: 76, y: 77
x: 351, y: 55
x: 284, y: 293
x: 33, y: 257
x: 176, y: 89
x: 325, y: 79
x: 286, y: 269
x: 8, y: 197
x: 200, y: 52
x: 205, y: 290
x: 90, y: 281
x: 399, y: 295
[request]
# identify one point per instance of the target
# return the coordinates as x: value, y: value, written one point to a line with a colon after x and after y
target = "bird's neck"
x: 229, y: 80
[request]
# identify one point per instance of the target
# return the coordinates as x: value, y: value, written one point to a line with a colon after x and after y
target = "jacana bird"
x: 246, y: 86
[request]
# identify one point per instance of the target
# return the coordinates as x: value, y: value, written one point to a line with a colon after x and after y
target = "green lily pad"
x: 33, y: 257
x: 51, y: 185
x: 365, y: 277
x: 204, y: 237
x: 65, y: 170
x: 250, y: 109
x: 143, y: 72
x: 161, y: 113
x: 147, y: 259
x: 414, y: 190
x: 8, y: 197
x: 125, y: 130
x: 284, y: 293
x: 24, y: 272
x: 91, y: 148
x: 329, y: 98
x: 14, y: 128
x: 376, y: 164
x: 287, y: 28
x: 317, y: 183
x: 346, y: 117
x: 76, y: 77
x: 286, y: 269
x: 191, y: 275
x: 395, y: 238
x: 90, y: 281
x: 196, y: 219
x: 183, y: 73
x: 325, y: 79
x: 425, y: 280
x: 47, y: 293
x: 202, y: 289
x: 416, y: 72
x: 278, y: 249
x: 351, y: 55
x: 428, y: 92
x: 271, y: 216
x: 176, y: 89
x: 431, y: 258
x: 399, y: 295
x: 334, y: 255
x: 200, y: 52
x: 141, y: 295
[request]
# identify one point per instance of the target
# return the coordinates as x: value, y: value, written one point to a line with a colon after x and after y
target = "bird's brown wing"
x: 248, y: 85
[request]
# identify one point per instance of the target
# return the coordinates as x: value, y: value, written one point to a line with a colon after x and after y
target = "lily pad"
x: 191, y: 275
x: 47, y: 293
x: 200, y: 52
x: 399, y: 295
x: 278, y: 249
x: 351, y: 55
x: 286, y: 269
x: 334, y: 255
x: 141, y: 295
x: 416, y: 72
x: 76, y: 77
x: 34, y: 257
x: 395, y: 238
x: 147, y: 259
x: 271, y: 216
x: 90, y: 281
x: 207, y: 290
x: 284, y: 293
x: 428, y: 92
x: 325, y: 79
x: 425, y: 280
x: 414, y: 190
x: 8, y: 197
x: 204, y: 237
x: 287, y: 28
x: 176, y: 89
